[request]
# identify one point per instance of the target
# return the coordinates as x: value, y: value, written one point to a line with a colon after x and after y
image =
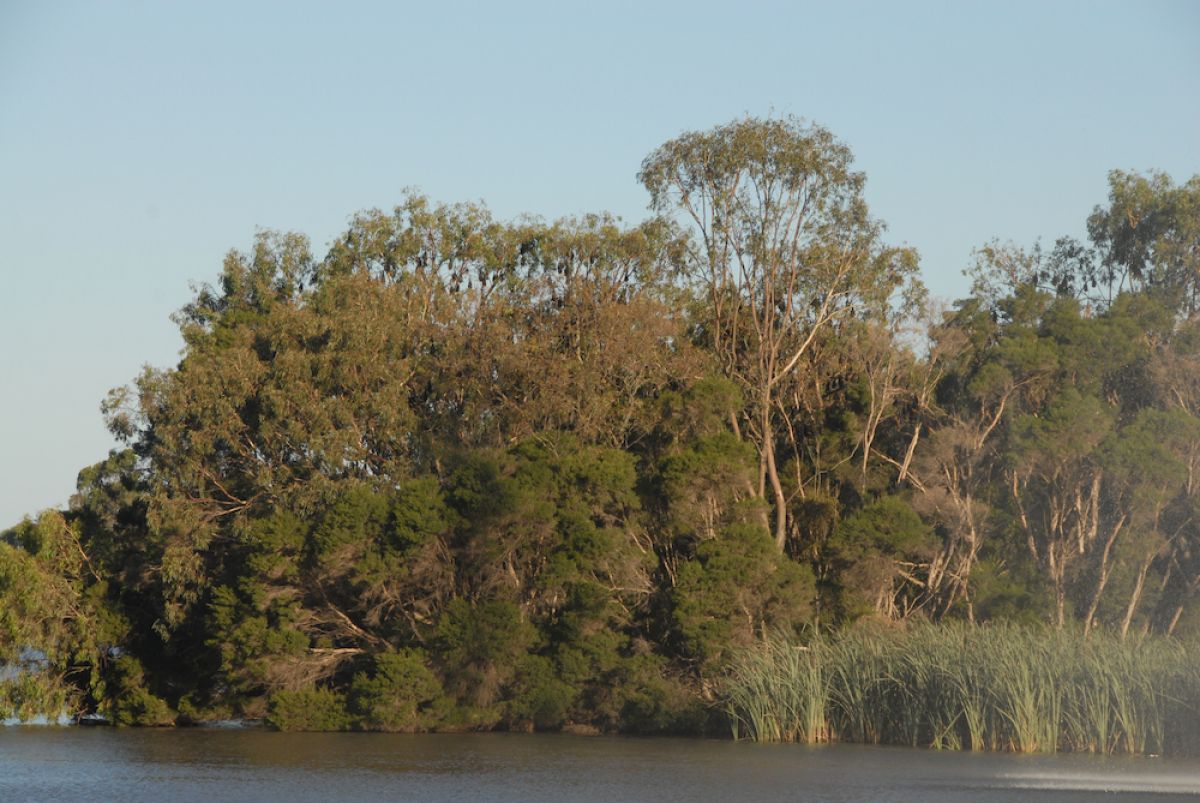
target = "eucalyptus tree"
x: 783, y: 248
x: 463, y: 472
x: 1148, y: 237
x: 57, y: 628
x: 1097, y: 461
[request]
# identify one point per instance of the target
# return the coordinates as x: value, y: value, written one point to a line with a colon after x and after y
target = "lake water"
x: 106, y: 764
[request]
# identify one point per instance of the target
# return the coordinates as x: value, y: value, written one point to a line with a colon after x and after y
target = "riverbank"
x: 948, y: 686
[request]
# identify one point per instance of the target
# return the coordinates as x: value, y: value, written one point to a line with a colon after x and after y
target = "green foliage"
x: 462, y: 472
x: 702, y: 482
x: 358, y: 514
x: 875, y: 551
x: 1148, y: 235
x: 319, y: 709
x: 654, y: 699
x: 1003, y: 593
x: 401, y: 693
x: 480, y: 647
x: 130, y: 702
x: 53, y: 606
x: 418, y: 513
x: 738, y: 587
x: 539, y: 696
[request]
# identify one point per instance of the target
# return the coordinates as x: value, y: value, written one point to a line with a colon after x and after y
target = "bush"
x: 400, y: 694
x: 308, y: 710
x: 739, y: 585
x: 129, y: 701
x: 654, y: 701
x: 27, y: 696
x: 480, y: 647
x: 539, y: 697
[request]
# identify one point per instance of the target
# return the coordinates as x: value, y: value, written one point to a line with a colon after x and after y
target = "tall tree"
x: 1149, y: 237
x: 783, y: 248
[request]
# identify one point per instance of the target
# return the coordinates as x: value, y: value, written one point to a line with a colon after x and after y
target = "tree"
x: 736, y: 590
x: 1149, y: 237
x: 881, y: 548
x: 783, y: 247
x: 56, y: 626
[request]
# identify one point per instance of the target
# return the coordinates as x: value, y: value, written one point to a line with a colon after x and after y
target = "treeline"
x: 468, y: 473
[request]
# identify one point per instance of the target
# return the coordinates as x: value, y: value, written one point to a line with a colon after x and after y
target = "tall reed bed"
x: 962, y: 687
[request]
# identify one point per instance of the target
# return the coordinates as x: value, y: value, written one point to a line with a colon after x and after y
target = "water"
x: 105, y: 764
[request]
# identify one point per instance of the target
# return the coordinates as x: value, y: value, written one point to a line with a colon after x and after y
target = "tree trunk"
x: 1192, y: 588
x: 908, y: 454
x: 1060, y: 591
x: 780, y: 499
x: 1136, y: 598
x: 1102, y: 580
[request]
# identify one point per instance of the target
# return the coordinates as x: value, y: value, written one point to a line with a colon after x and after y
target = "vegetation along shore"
x: 728, y: 468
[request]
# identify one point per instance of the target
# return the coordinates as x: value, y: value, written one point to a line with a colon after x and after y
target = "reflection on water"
x: 77, y: 763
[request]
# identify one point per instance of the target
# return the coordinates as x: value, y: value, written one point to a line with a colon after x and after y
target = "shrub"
x: 539, y: 697
x: 400, y: 693
x: 130, y: 702
x: 308, y: 710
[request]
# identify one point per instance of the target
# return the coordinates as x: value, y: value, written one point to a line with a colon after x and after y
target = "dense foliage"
x: 468, y: 473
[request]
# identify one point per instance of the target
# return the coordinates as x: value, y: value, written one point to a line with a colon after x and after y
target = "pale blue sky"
x: 140, y: 141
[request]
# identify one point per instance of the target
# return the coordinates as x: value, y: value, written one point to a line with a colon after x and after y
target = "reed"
x: 779, y: 691
x: 956, y: 686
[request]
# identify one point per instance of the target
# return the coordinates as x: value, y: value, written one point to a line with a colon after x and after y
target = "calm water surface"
x: 104, y: 764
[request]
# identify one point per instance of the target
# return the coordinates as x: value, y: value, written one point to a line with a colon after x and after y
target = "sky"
x: 139, y: 142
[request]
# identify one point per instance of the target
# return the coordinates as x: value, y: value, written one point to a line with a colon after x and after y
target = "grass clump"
x: 962, y: 687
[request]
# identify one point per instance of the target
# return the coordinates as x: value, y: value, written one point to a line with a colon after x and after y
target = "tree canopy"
x: 462, y: 472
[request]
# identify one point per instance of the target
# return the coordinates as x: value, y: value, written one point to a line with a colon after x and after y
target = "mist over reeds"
x: 962, y: 687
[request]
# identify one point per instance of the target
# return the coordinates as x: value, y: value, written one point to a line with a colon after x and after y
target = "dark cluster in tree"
x: 468, y: 473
